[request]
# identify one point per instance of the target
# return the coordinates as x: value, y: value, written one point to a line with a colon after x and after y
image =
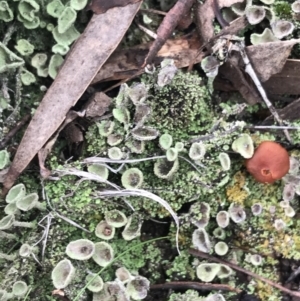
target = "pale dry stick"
x: 153, y: 11
x: 107, y: 160
x: 293, y: 275
x: 249, y: 69
x: 272, y: 127
x: 45, y: 234
x: 150, y: 33
x: 179, y: 285
x: 237, y: 268
x: 238, y: 126
x: 10, y: 31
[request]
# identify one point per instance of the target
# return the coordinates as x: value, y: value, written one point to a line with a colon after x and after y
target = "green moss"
x: 282, y: 9
x: 189, y: 295
x: 182, y: 108
x: 180, y: 268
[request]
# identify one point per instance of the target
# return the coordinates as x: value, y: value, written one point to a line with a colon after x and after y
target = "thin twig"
x: 11, y: 29
x: 153, y: 11
x: 249, y: 69
x: 272, y: 127
x: 239, y: 126
x: 194, y: 285
x: 12, y: 132
x: 236, y: 267
x: 293, y: 275
x: 150, y: 33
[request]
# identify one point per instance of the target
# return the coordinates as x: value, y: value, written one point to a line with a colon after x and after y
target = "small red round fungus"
x: 269, y: 163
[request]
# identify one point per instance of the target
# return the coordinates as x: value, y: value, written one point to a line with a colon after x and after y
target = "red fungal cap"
x: 269, y: 163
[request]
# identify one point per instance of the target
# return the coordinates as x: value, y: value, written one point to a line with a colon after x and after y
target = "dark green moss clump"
x: 182, y: 107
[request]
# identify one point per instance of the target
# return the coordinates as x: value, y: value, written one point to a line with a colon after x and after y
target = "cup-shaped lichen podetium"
x: 225, y: 271
x: 255, y: 14
x: 104, y: 253
x: 199, y: 214
x: 165, y: 169
x: 4, y: 295
x: 221, y: 248
x: 99, y: 170
x: 63, y: 274
x: 266, y: 36
x: 244, y: 146
x: 115, y: 218
x: 15, y: 193
x: 30, y: 201
x: 206, y: 272
x: 225, y: 161
x: 237, y: 213
x: 9, y: 220
x: 132, y: 178
x: 123, y: 275
x: 197, y: 151
x: 133, y: 227
x: 81, y: 249
x: 137, y: 288
x: 201, y: 240
x: 215, y: 297
x: 282, y: 28
x: 105, y: 231
x: 19, y: 289
x: 94, y: 283
x: 222, y: 219
x: 165, y: 141
x: 26, y: 250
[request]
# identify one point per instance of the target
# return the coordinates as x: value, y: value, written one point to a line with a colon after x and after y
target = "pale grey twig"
x: 107, y: 160
x: 239, y: 125
x: 44, y: 237
x: 249, y: 69
x: 272, y: 127
x: 150, y: 33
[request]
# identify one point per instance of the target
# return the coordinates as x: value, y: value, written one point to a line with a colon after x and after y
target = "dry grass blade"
x: 146, y: 194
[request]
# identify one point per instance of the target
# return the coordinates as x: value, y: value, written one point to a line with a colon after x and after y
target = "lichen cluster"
x: 164, y: 136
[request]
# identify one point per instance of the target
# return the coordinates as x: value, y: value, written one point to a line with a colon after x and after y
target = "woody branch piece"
x: 237, y: 268
x: 167, y: 26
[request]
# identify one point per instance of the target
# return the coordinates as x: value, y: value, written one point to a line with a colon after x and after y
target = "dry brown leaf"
x: 269, y: 58
x: 286, y: 81
x: 167, y: 26
x: 124, y: 63
x: 205, y: 16
x: 97, y: 105
x: 46, y: 149
x: 91, y: 50
x: 101, y: 6
x: 291, y: 112
x: 231, y: 72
